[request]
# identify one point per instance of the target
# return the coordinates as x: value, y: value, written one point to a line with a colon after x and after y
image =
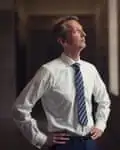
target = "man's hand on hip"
x: 57, y: 138
x: 96, y: 133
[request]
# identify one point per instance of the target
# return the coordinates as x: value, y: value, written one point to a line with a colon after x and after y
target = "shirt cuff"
x: 40, y: 140
x: 100, y: 125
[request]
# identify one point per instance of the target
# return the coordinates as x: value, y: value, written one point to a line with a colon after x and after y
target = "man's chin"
x: 82, y: 47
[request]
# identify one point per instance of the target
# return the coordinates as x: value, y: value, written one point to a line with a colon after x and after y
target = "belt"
x: 82, y: 138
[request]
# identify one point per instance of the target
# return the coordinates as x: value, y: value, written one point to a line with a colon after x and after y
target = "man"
x: 65, y: 86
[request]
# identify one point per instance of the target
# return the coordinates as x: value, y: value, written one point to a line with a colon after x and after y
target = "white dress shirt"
x: 54, y: 84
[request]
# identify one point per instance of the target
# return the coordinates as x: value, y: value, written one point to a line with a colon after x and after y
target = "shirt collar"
x: 68, y: 60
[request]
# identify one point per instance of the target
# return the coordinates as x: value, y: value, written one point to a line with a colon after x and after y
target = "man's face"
x: 75, y: 35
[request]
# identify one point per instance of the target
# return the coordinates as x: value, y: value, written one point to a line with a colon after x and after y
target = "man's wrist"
x: 100, y: 125
x: 41, y: 140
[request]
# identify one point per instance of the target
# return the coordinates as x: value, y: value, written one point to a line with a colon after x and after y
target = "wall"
x: 7, y: 59
x: 57, y: 7
x: 7, y: 74
x: 77, y: 7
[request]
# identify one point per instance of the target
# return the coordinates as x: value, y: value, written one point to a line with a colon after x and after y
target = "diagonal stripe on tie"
x: 80, y: 97
x: 79, y: 85
x: 79, y: 89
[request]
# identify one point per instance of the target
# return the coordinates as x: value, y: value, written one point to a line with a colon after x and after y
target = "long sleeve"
x: 22, y: 108
x: 103, y: 101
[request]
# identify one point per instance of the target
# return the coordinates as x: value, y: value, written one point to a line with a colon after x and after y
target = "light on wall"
x: 113, y: 47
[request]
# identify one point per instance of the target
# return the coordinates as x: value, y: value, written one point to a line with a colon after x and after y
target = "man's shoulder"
x: 87, y: 64
x: 48, y: 68
x: 54, y: 64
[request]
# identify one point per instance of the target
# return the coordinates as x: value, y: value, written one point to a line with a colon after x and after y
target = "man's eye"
x: 79, y: 31
x: 76, y: 31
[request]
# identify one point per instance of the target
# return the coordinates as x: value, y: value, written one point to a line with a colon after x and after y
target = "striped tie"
x: 80, y: 97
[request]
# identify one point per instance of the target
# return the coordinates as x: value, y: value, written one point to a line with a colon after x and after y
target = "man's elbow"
x: 17, y: 113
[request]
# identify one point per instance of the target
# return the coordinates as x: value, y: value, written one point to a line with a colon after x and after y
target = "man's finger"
x: 93, y: 131
x: 94, y: 135
x: 59, y: 142
x: 61, y: 138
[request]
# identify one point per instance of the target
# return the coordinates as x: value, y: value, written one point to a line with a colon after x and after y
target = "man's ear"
x: 61, y: 41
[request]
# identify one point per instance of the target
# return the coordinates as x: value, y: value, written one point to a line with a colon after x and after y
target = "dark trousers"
x: 76, y: 143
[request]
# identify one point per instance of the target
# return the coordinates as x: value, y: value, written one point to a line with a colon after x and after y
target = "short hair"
x: 60, y: 29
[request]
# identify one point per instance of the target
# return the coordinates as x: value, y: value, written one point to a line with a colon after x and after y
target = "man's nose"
x: 83, y: 34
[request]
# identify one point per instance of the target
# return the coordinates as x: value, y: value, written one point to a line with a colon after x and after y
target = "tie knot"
x: 76, y: 66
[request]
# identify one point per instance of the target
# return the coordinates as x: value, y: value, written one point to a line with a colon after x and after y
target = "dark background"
x: 25, y: 45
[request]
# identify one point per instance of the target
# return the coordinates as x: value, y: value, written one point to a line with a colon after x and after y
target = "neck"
x: 75, y: 55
